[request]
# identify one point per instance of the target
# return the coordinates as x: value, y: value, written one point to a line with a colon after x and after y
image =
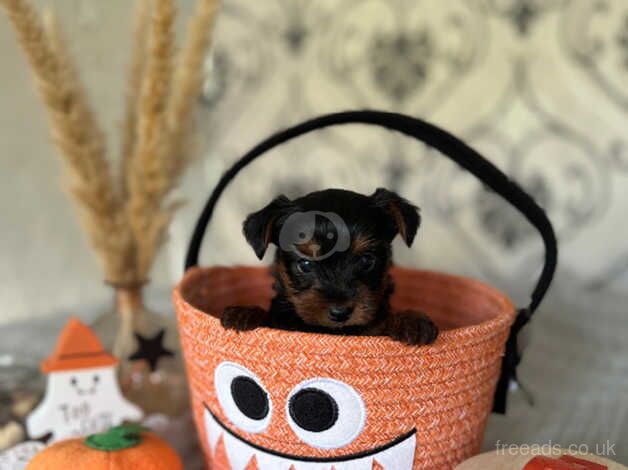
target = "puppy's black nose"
x: 340, y: 313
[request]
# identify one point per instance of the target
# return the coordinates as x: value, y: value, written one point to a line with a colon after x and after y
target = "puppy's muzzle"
x: 339, y: 313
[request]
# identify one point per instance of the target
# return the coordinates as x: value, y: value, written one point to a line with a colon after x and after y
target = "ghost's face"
x: 82, y: 383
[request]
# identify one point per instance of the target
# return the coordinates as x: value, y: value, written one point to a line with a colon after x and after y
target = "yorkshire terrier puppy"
x: 332, y: 265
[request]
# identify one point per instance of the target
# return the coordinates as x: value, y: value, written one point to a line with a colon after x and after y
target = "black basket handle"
x: 451, y: 147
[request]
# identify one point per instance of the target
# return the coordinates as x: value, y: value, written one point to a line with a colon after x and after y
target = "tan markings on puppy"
x: 361, y: 244
x: 309, y: 305
x: 365, y: 308
x: 268, y: 233
x: 368, y: 303
x: 399, y: 220
x: 313, y: 308
x: 311, y: 249
x: 282, y: 271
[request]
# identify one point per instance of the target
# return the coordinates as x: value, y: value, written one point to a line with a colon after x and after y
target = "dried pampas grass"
x: 168, y: 107
x: 75, y: 131
x: 188, y: 82
x: 136, y: 73
x: 125, y: 214
x: 148, y: 179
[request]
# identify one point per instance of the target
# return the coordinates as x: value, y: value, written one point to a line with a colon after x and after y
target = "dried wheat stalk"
x: 76, y: 133
x: 150, y: 210
x: 136, y: 75
x: 188, y: 82
x: 83, y: 143
x: 126, y: 221
x: 148, y: 178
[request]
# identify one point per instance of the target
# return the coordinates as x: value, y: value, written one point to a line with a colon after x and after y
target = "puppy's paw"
x: 412, y: 327
x: 243, y: 318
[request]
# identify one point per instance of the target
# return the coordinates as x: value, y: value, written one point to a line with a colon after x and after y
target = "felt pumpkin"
x: 122, y: 447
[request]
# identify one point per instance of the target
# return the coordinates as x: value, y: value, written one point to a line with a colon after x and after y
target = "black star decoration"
x: 151, y: 349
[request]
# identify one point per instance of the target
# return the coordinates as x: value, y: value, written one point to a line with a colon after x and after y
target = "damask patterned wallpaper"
x: 538, y: 86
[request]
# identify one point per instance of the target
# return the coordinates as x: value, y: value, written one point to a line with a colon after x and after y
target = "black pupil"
x: 313, y: 410
x: 249, y: 397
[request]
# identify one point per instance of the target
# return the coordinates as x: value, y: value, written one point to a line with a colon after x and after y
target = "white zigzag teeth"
x: 398, y: 457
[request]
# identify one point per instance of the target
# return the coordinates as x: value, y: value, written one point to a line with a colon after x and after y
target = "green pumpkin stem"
x: 117, y: 438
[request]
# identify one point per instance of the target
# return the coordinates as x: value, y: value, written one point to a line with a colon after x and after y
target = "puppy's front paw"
x: 243, y: 318
x: 412, y: 327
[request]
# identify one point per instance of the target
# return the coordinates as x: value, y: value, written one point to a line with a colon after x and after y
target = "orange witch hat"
x: 77, y: 348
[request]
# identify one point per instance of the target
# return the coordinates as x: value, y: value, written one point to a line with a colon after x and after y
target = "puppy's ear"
x: 260, y: 227
x: 404, y: 215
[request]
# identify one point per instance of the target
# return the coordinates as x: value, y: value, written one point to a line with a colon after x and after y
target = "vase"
x: 151, y: 371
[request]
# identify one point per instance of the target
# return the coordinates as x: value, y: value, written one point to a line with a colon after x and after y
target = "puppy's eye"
x: 305, y: 266
x: 367, y: 262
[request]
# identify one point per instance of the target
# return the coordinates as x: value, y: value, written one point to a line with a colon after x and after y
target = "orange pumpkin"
x: 122, y: 447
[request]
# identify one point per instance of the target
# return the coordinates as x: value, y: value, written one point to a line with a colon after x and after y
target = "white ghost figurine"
x: 82, y: 394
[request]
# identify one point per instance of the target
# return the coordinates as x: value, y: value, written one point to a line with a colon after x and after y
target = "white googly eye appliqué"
x: 242, y: 396
x: 325, y: 413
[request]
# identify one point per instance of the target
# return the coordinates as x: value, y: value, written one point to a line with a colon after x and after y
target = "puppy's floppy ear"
x: 403, y: 214
x: 260, y: 227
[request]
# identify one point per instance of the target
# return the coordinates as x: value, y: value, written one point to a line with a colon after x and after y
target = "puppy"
x: 332, y: 265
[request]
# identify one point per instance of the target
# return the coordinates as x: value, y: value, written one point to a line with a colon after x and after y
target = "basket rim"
x: 489, y: 327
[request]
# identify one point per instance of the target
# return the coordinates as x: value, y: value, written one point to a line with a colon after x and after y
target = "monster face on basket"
x: 271, y: 399
x: 323, y: 413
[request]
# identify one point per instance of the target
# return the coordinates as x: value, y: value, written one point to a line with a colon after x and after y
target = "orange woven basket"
x: 397, y: 407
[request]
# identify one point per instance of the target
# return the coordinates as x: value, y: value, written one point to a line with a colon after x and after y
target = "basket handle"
x: 451, y: 147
